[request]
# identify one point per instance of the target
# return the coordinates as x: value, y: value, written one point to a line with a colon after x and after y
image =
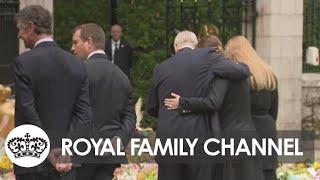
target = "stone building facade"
x: 279, y: 42
x: 311, y: 102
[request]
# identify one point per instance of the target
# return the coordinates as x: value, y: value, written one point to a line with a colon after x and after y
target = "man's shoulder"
x: 164, y: 67
x: 125, y: 43
x: 204, y: 51
x: 31, y: 55
x: 38, y: 54
x: 101, y: 63
x: 106, y: 68
x: 46, y: 50
x: 165, y: 64
x: 208, y: 52
x: 102, y: 59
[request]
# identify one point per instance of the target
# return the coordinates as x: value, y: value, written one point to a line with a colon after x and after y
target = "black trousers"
x: 96, y: 171
x: 203, y: 171
x: 249, y: 169
x: 269, y: 174
x: 54, y: 175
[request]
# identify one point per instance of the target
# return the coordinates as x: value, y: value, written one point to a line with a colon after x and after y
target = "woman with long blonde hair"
x: 240, y: 50
x: 264, y: 94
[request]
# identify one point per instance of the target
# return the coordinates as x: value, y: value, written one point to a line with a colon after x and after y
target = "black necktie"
x: 115, y: 53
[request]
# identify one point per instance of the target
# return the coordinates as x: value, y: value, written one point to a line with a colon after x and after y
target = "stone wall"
x: 279, y: 42
x: 311, y: 102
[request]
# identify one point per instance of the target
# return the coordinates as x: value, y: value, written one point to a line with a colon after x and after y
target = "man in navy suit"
x: 111, y: 96
x: 52, y: 90
x: 188, y: 72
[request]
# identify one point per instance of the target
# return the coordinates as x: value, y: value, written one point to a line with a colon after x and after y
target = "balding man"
x: 119, y: 50
x: 188, y: 73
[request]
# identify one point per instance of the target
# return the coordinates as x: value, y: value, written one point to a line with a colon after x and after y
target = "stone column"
x: 48, y: 4
x: 279, y: 42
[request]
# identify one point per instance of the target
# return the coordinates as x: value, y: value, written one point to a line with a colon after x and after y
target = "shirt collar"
x: 96, y: 52
x: 47, y: 39
x: 187, y: 46
x: 118, y: 42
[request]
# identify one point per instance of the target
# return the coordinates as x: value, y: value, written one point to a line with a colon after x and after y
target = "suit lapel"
x: 122, y: 46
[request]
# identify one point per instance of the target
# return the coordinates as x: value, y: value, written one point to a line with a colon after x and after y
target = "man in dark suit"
x: 110, y: 94
x: 118, y: 50
x: 189, y: 73
x: 52, y: 90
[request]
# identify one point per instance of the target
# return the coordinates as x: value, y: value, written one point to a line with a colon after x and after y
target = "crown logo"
x: 27, y: 146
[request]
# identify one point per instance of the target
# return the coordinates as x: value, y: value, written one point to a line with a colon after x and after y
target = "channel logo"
x: 27, y: 146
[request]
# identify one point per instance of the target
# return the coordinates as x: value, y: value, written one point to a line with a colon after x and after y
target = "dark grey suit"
x: 113, y: 111
x: 188, y: 73
x: 123, y: 59
x: 52, y: 92
x: 111, y: 96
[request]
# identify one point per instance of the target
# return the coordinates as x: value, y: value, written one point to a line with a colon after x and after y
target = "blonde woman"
x: 263, y: 94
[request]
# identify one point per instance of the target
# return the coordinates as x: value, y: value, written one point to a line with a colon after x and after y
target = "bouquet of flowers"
x: 299, y: 171
x: 136, y: 172
x: 6, y: 171
x: 5, y: 164
x: 148, y: 172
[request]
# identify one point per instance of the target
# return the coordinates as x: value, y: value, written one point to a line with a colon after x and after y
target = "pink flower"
x: 117, y: 171
x: 317, y: 176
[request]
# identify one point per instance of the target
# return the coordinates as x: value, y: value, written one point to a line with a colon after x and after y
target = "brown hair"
x: 94, y: 31
x: 240, y: 50
x: 211, y: 41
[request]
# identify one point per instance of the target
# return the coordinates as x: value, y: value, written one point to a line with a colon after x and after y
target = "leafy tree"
x: 144, y: 25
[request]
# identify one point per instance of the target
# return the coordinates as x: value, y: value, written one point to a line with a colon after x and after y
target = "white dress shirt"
x: 113, y: 46
x: 96, y: 52
x: 48, y: 39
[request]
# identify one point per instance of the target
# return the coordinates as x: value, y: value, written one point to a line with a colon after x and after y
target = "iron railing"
x: 230, y: 18
x: 311, y: 31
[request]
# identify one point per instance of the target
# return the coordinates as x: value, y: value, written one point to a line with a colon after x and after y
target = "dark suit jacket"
x: 230, y: 98
x: 52, y: 92
x: 124, y: 61
x: 239, y: 110
x: 112, y: 100
x: 264, y: 110
x: 265, y: 103
x: 188, y: 73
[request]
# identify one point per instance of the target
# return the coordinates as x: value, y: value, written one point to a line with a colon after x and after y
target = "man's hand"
x: 172, y: 103
x: 63, y: 167
x: 60, y: 163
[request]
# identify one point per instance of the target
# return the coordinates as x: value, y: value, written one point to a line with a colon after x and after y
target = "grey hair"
x: 186, y: 38
x: 40, y: 16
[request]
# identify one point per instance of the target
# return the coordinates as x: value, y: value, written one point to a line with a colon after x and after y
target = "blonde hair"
x: 185, y: 38
x: 240, y: 50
